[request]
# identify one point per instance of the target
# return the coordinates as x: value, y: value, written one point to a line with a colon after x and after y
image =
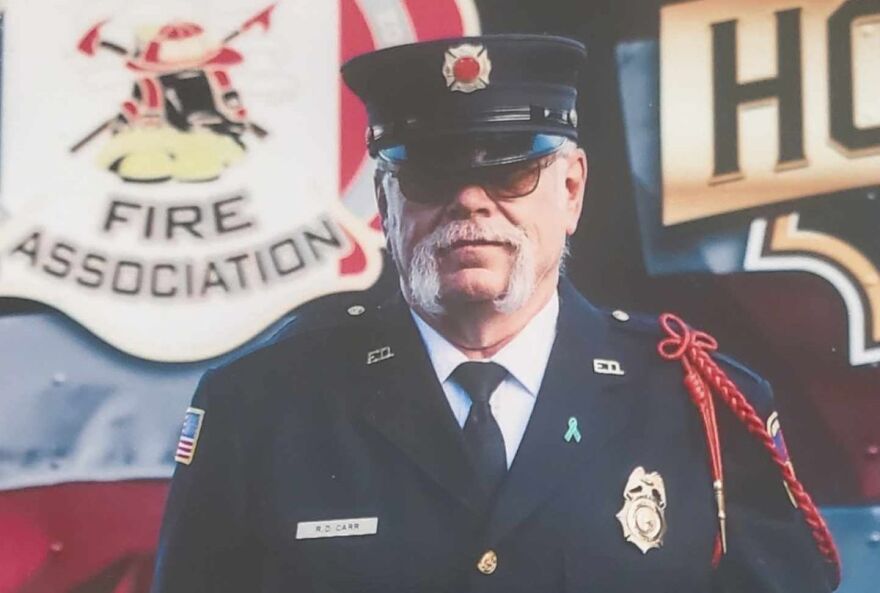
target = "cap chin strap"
x: 541, y: 145
x: 705, y: 380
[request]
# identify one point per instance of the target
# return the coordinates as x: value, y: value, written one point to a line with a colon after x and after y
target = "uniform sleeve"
x: 203, y: 544
x: 770, y: 547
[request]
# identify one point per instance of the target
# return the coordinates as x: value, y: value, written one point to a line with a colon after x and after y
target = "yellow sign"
x: 765, y: 101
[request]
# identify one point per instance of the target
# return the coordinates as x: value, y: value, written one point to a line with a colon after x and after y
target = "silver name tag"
x: 337, y: 528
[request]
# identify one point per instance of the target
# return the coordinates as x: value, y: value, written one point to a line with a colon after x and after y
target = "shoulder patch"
x: 189, y: 435
x: 775, y: 431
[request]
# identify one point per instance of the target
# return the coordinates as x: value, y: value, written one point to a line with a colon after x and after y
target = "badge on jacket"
x: 643, y: 513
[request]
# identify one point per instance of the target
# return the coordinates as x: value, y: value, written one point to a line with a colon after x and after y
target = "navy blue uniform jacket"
x: 305, y: 430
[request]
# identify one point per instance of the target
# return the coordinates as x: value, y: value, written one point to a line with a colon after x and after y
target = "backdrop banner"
x: 170, y: 171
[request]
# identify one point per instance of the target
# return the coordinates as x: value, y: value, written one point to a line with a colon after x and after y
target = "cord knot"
x: 680, y: 338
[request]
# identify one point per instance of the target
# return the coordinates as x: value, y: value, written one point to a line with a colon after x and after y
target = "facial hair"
x: 420, y: 279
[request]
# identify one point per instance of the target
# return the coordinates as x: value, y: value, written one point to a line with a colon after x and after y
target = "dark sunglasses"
x: 426, y: 185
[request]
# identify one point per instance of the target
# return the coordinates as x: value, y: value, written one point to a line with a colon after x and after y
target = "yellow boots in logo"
x: 162, y: 153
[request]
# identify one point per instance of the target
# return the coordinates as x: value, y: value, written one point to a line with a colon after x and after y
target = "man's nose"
x: 470, y: 199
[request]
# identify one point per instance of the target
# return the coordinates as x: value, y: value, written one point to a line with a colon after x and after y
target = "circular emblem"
x: 466, y: 68
x: 642, y: 516
x: 644, y: 519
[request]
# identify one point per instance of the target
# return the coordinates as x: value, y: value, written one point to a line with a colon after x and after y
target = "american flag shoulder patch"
x: 189, y: 435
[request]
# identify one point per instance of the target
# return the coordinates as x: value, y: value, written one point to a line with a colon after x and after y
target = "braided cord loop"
x: 703, y: 379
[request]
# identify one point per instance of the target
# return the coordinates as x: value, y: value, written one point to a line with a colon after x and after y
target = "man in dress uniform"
x: 485, y: 429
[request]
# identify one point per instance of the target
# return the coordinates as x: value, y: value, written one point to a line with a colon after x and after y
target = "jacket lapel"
x: 407, y: 406
x: 571, y: 389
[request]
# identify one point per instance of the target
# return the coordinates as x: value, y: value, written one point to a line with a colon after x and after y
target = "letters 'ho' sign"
x: 766, y: 103
x: 170, y: 174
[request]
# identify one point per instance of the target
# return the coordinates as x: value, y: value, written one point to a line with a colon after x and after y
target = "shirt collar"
x: 525, y: 356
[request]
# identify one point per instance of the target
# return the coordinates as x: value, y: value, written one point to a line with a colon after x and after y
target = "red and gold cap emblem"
x: 466, y: 68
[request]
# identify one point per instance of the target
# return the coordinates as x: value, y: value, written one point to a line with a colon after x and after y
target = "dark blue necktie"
x: 483, y: 438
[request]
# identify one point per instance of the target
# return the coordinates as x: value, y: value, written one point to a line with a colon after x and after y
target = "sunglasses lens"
x: 430, y: 186
x: 512, y: 181
x: 425, y: 186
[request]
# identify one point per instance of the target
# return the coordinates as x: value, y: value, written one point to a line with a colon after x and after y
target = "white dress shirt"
x: 525, y: 358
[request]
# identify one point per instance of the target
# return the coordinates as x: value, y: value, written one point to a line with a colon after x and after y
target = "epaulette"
x: 640, y: 322
x: 649, y: 325
x: 329, y: 312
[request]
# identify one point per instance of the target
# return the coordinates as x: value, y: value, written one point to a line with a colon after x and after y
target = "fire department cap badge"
x: 466, y: 68
x: 643, y: 513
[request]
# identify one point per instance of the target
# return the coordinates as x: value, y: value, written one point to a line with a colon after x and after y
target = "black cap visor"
x: 466, y: 151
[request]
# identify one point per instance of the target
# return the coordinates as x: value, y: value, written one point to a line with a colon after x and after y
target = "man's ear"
x: 381, y: 197
x: 575, y: 185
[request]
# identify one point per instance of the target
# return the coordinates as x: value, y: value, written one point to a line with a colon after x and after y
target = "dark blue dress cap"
x: 488, y: 100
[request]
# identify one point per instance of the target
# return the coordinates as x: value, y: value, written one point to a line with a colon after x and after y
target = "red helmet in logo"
x: 179, y: 46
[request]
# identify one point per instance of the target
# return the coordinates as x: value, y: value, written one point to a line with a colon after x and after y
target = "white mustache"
x: 457, y: 231
x: 423, y: 280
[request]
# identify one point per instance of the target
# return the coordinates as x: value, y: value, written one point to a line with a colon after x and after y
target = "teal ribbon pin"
x: 573, y: 432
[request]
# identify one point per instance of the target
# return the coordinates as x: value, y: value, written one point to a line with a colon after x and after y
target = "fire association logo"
x: 215, y: 207
x: 184, y: 119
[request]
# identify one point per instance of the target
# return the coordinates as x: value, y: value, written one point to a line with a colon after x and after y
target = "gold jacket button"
x: 488, y: 562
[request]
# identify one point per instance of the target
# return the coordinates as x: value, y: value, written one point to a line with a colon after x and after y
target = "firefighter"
x: 485, y: 428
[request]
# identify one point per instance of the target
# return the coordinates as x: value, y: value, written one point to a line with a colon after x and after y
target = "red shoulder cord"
x: 703, y: 379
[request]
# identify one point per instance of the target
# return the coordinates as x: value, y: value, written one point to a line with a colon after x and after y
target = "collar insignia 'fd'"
x: 379, y: 354
x: 466, y: 68
x: 643, y: 514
